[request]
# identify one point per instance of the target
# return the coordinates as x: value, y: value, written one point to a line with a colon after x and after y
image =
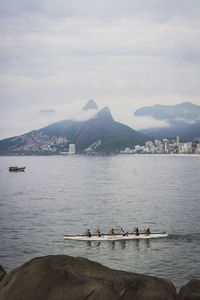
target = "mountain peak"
x: 105, y: 114
x: 187, y: 104
x: 90, y: 105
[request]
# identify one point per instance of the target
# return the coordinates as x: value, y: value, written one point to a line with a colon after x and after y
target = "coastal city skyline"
x: 165, y: 146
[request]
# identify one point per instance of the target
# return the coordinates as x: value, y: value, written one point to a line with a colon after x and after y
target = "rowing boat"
x: 116, y: 237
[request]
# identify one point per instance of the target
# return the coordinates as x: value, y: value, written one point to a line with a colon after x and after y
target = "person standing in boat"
x: 88, y: 233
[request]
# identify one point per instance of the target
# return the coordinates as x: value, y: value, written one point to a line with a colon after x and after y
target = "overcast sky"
x: 122, y: 54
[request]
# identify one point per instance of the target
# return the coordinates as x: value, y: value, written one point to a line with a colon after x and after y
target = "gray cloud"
x: 47, y: 112
x: 124, y: 55
x: 159, y: 10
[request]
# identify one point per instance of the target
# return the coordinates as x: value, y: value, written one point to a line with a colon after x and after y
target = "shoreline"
x: 165, y: 154
x: 116, y: 154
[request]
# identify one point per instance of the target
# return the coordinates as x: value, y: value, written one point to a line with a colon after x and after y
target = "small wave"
x: 185, y: 237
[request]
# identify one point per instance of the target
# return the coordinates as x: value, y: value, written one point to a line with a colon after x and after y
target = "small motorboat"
x: 17, y: 169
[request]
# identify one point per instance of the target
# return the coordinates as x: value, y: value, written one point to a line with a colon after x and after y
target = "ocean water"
x: 61, y: 195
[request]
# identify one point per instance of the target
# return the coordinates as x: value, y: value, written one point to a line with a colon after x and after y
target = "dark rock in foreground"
x: 64, y: 277
x: 2, y: 272
x: 190, y: 291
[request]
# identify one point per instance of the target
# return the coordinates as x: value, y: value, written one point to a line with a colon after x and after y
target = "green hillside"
x: 100, y: 134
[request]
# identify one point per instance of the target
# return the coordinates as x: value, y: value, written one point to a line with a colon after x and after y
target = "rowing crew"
x: 97, y: 232
x: 121, y: 231
x: 146, y: 231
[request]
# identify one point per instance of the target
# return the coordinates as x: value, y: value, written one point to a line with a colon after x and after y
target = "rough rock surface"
x: 65, y: 277
x: 2, y: 272
x: 190, y: 291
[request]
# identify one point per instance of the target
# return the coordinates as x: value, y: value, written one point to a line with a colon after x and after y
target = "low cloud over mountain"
x: 170, y: 120
x: 98, y: 131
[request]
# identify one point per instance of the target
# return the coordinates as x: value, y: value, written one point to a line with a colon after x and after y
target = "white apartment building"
x: 72, y: 149
x: 149, y: 144
x: 185, y: 148
x: 177, y: 140
x: 157, y: 142
x: 159, y: 148
x: 128, y: 150
x: 166, y: 145
x: 198, y: 149
x: 137, y: 148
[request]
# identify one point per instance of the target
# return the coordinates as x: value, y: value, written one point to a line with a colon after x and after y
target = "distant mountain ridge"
x: 183, y: 120
x: 107, y: 135
x: 186, y: 111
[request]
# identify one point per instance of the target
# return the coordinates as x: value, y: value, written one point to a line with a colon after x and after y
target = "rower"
x: 122, y: 232
x: 98, y: 232
x: 136, y: 231
x: 148, y: 231
x: 88, y: 233
x: 112, y: 231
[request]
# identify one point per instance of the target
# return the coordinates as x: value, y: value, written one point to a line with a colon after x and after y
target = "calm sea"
x: 61, y: 195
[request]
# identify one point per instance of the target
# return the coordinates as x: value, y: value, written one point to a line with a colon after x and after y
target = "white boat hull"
x: 117, y: 237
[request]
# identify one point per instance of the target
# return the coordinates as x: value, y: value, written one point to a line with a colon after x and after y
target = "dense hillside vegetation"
x: 99, y: 134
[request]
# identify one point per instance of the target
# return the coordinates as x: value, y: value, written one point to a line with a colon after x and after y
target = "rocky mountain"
x: 90, y: 105
x: 183, y: 120
x: 99, y: 134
